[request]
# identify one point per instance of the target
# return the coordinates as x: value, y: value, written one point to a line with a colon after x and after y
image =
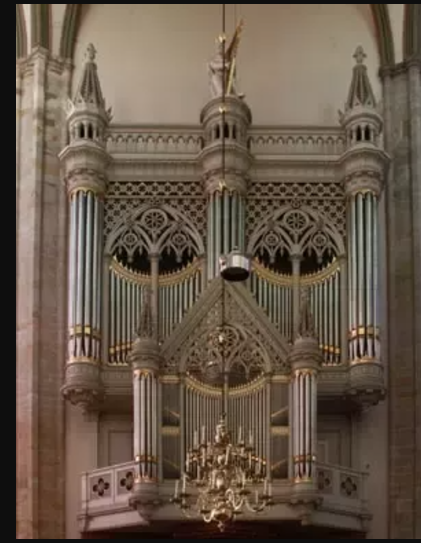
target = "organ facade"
x: 149, y: 222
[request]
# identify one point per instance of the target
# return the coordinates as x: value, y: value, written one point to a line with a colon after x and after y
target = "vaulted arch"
x: 380, y: 13
x: 41, y: 25
x: 383, y: 26
x: 21, y: 34
x: 412, y: 31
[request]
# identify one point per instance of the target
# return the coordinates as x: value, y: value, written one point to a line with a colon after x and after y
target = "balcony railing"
x: 106, y: 493
x: 342, y: 489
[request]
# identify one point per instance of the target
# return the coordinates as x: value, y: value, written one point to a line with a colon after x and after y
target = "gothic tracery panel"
x: 326, y: 197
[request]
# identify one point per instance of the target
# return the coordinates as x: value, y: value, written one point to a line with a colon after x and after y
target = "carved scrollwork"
x: 296, y: 231
x: 155, y: 229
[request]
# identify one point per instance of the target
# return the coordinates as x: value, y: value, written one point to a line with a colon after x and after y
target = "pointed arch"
x: 72, y: 20
x: 40, y: 25
x: 412, y: 31
x: 71, y: 25
x: 384, y: 32
x: 21, y: 34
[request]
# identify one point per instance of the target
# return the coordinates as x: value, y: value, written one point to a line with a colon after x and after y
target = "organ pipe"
x: 304, y: 424
x: 363, y: 273
x: 85, y: 276
x: 145, y: 398
x: 274, y: 293
x: 226, y: 227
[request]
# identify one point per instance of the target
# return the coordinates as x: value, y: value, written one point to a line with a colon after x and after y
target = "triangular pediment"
x: 242, y: 313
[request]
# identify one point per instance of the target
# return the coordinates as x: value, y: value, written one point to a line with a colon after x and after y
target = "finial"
x: 145, y: 327
x: 306, y: 327
x: 90, y: 53
x: 359, y: 55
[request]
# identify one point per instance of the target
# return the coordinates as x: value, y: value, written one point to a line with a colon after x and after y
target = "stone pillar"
x: 363, y: 169
x: 402, y: 136
x: 145, y: 360
x: 414, y: 88
x: 40, y: 297
x: 85, y: 162
x: 225, y: 162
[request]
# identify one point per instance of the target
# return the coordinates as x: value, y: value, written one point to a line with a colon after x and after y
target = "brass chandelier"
x: 223, y: 479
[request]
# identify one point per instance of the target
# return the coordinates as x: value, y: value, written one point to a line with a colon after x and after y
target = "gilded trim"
x: 167, y: 280
x: 281, y: 431
x: 287, y: 281
x: 82, y: 360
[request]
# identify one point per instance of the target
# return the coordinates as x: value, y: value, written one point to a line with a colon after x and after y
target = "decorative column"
x: 145, y: 360
x: 364, y: 166
x: 225, y: 165
x: 85, y: 162
x: 305, y: 358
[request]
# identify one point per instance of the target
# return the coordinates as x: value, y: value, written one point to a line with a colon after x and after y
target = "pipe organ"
x: 300, y: 249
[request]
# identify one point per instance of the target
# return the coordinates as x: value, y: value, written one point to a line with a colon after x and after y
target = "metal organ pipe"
x: 177, y: 294
x: 304, y: 428
x: 126, y: 295
x: 363, y: 277
x: 226, y: 227
x: 249, y: 413
x: 85, y: 276
x: 274, y: 293
x: 145, y: 393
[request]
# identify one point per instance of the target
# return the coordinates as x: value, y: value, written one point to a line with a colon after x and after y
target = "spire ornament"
x: 91, y: 52
x: 360, y: 92
x: 360, y: 55
x: 306, y: 325
x: 145, y: 327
